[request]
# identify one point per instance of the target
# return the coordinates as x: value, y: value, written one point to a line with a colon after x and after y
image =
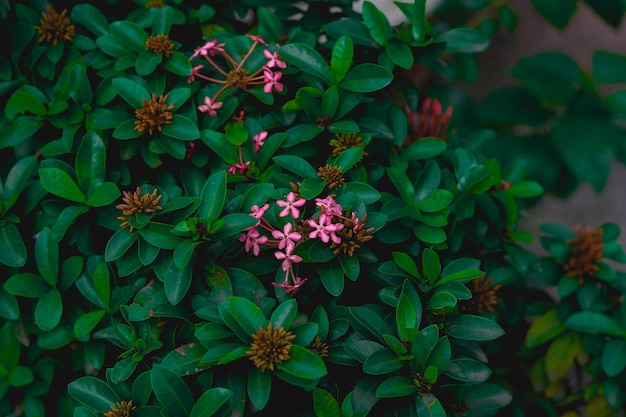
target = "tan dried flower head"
x: 483, y: 296
x: 270, y: 347
x: 55, y: 27
x: 319, y: 347
x: 160, y: 44
x: 121, y: 409
x: 353, y: 235
x: 343, y: 141
x: 587, y: 249
x: 332, y: 175
x: 135, y: 203
x: 154, y: 114
x: 237, y: 77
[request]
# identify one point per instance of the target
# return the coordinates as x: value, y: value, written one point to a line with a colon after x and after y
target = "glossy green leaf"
x: 557, y: 12
x: 296, y: 165
x: 544, y: 328
x: 12, y: 248
x: 525, y: 189
x: 16, y: 180
x: 48, y: 310
x: 614, y: 357
x: 428, y: 405
x: 131, y: 92
x: 181, y: 128
x: 102, y: 283
x: 407, y: 263
x: 332, y: 278
x: 185, y: 359
x: 160, y: 235
x: 592, y: 322
x: 341, y: 56
x: 367, y: 323
x: 471, y: 327
x: 382, y: 362
x: 213, y: 197
x: 376, y: 23
x: 307, y: 59
x: 178, y: 64
x: 91, y: 18
x: 210, y: 402
x: 247, y: 314
x: 171, y: 391
x: 395, y: 386
x: 367, y: 78
x: 130, y: 34
x: 58, y: 182
x: 9, y: 307
x: 464, y: 40
x: 259, y: 387
x: 460, y: 276
x: 119, y: 244
x: 177, y: 283
x: 406, y: 319
x: 303, y: 364
x: 324, y: 404
x: 468, y: 370
x: 94, y: 393
x: 561, y: 354
x: 400, y: 54
x: 27, y: 285
x: 147, y: 62
x: 87, y: 322
x: 47, y: 256
x: 21, y: 102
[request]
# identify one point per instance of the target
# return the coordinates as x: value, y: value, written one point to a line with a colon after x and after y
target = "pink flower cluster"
x: 323, y: 224
x: 236, y: 75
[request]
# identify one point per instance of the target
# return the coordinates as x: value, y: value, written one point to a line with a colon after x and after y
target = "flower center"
x: 270, y: 347
x: 154, y: 114
x: 135, y: 203
x: 587, y: 249
x: 55, y: 27
x: 237, y: 77
x: 121, y: 409
x: 160, y: 44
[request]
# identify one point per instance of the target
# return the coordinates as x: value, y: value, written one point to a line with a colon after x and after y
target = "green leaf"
x: 594, y: 323
x: 425, y: 148
x: 131, y: 92
x: 376, y: 23
x: 341, y: 56
x: 367, y: 78
x: 464, y: 40
x: 58, y: 182
x: 171, y: 391
x: 16, y: 180
x: 102, y: 283
x: 429, y: 234
x: 395, y: 386
x: 307, y: 59
x: 471, y: 327
x: 614, y: 357
x: 213, y: 197
x: 367, y: 323
x: 27, y: 285
x: 160, y: 235
x: 303, y: 364
x: 12, y: 248
x: 177, y: 282
x: 349, y: 157
x: 22, y: 101
x: 118, y: 244
x: 284, y: 314
x: 234, y: 223
x: 560, y: 355
x: 94, y: 393
x: 525, y: 189
x: 92, y: 19
x: 431, y: 264
x: 126, y: 130
x: 428, y: 405
x: 544, y: 328
x: 297, y: 165
x: 247, y: 314
x: 47, y: 256
x: 103, y: 194
x: 48, y: 310
x: 182, y: 128
x: 236, y: 133
x: 130, y: 34
x: 466, y: 275
x: 609, y: 67
x: 87, y: 322
x: 90, y: 162
x: 406, y: 319
x: 324, y: 404
x: 259, y: 388
x: 21, y: 376
x: 400, y: 54
x: 407, y: 263
x: 178, y: 64
x: 557, y: 12
x: 147, y: 61
x: 185, y: 359
x: 332, y: 278
x: 435, y: 201
x: 210, y: 402
x: 382, y: 362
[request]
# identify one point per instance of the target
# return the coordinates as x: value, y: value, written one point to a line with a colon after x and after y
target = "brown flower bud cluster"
x: 135, y: 203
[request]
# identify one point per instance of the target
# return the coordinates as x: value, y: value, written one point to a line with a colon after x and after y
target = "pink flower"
x: 329, y: 206
x: 259, y: 140
x: 238, y: 166
x: 208, y: 48
x: 253, y: 239
x: 291, y: 288
x: 256, y: 38
x: 210, y: 107
x: 273, y: 60
x: 325, y: 230
x: 287, y: 238
x: 290, y: 205
x: 288, y: 258
x: 271, y: 81
x: 190, y: 150
x: 194, y: 71
x: 258, y: 212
